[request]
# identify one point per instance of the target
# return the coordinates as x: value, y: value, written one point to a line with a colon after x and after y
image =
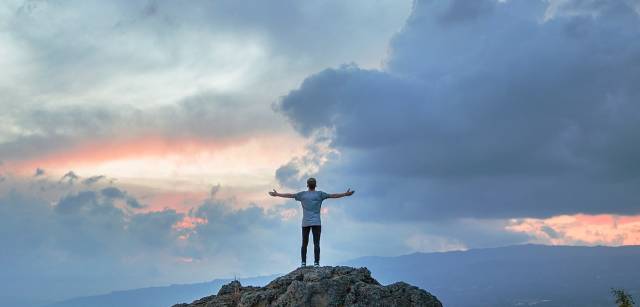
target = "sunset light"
x: 480, y: 152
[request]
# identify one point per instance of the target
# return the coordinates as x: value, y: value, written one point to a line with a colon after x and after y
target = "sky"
x: 139, y: 139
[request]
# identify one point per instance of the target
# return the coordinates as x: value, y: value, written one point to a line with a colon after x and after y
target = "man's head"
x: 311, y: 183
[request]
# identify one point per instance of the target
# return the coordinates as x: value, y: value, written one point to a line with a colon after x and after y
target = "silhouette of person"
x: 311, y: 202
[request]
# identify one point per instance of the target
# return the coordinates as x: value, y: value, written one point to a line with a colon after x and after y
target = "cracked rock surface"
x: 323, y: 286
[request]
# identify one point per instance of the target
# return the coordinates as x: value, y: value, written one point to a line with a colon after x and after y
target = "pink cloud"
x: 581, y: 229
x: 189, y: 222
x: 179, y: 201
x: 90, y: 153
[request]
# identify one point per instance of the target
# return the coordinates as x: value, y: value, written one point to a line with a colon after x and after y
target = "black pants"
x: 316, y: 242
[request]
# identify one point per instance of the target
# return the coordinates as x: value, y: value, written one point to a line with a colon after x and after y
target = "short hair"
x: 311, y: 183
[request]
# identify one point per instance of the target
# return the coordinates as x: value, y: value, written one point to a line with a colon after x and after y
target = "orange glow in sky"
x: 581, y: 229
x: 175, y: 164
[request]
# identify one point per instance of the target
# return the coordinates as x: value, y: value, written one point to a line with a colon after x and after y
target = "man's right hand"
x: 274, y: 193
x: 349, y: 192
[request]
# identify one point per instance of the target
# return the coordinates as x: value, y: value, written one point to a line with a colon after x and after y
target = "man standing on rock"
x: 311, y: 202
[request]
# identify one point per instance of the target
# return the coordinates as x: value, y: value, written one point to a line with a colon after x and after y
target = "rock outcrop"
x: 323, y: 286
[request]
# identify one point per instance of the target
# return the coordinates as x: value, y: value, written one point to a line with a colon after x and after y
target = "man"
x: 311, y: 202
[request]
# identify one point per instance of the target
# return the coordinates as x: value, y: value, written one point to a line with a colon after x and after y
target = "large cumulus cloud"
x: 488, y: 109
x: 91, y: 241
x: 82, y: 237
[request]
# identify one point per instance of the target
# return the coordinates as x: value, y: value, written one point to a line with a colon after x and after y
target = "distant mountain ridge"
x: 156, y: 296
x: 521, y: 275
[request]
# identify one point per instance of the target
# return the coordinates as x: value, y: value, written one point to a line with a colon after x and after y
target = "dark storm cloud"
x: 488, y: 109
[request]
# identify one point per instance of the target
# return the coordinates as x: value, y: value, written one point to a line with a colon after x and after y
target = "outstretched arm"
x: 285, y: 195
x: 338, y: 195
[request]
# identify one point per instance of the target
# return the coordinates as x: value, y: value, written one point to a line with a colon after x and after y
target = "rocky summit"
x: 322, y: 286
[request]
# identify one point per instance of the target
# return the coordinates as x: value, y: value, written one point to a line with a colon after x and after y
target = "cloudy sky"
x: 139, y: 139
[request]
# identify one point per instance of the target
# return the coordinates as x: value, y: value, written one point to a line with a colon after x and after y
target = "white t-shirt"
x: 311, y: 203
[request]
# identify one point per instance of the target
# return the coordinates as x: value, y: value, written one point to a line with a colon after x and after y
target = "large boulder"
x: 322, y: 286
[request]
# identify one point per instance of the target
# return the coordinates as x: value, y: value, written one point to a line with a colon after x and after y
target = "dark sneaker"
x: 303, y: 264
x: 316, y: 264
